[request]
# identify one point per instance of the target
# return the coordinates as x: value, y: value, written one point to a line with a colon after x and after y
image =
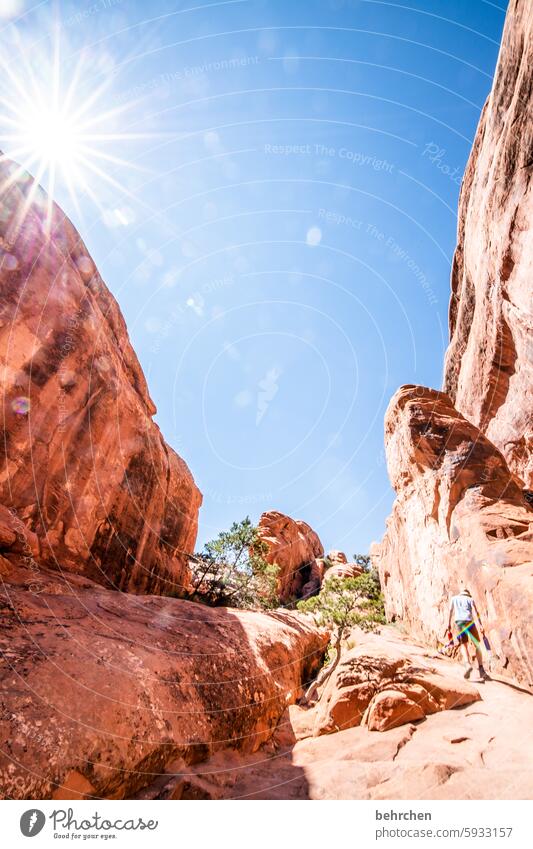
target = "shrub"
x: 231, y: 570
x: 341, y: 604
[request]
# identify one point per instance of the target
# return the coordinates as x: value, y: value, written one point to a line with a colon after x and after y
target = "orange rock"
x: 460, y: 518
x: 344, y: 570
x: 459, y: 460
x: 294, y: 547
x: 376, y: 665
x: 105, y: 691
x: 471, y: 753
x: 85, y: 467
x: 489, y: 364
x: 390, y: 708
x: 337, y: 558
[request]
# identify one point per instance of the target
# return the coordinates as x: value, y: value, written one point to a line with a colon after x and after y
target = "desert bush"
x: 232, y: 571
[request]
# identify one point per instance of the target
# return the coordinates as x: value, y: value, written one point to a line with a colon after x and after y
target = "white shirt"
x: 462, y: 608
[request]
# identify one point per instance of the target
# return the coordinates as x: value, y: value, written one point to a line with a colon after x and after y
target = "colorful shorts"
x: 463, y: 638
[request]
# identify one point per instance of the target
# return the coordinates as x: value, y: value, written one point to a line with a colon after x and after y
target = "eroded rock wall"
x: 489, y: 364
x: 461, y: 461
x: 83, y: 463
x: 460, y: 519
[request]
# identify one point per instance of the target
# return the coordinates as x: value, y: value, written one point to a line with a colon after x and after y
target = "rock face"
x: 461, y: 461
x: 106, y: 694
x: 470, y: 752
x: 294, y: 547
x: 460, y: 519
x: 391, y: 708
x: 337, y: 558
x: 83, y: 463
x: 379, y: 684
x: 489, y: 364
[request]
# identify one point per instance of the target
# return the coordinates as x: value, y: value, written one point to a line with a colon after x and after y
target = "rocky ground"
x: 480, y: 750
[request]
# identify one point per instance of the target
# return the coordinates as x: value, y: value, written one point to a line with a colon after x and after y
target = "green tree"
x: 232, y: 570
x: 363, y: 560
x: 342, y: 604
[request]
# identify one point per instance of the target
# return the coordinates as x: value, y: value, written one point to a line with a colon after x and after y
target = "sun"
x: 54, y: 123
x: 52, y: 137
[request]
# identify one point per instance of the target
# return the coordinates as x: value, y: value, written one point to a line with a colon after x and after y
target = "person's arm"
x: 450, y: 616
x: 478, y: 617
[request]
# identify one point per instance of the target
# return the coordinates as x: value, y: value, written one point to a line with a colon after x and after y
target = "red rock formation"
x: 458, y: 461
x: 106, y: 693
x: 339, y: 566
x: 84, y: 465
x: 294, y: 547
x: 379, y: 684
x: 489, y: 364
x: 391, y: 708
x: 337, y: 558
x: 470, y: 753
x: 460, y: 519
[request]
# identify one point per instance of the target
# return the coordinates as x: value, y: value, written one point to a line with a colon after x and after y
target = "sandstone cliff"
x: 83, y: 464
x: 459, y: 460
x: 489, y: 364
x: 460, y: 519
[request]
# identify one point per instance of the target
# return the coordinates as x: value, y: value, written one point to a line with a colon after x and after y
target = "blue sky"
x: 281, y: 250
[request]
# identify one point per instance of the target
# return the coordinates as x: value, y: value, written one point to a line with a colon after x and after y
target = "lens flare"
x: 21, y: 405
x: 55, y: 125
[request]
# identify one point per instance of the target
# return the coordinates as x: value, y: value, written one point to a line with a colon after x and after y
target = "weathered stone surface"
x: 294, y: 547
x: 344, y: 570
x: 339, y: 566
x: 489, y: 364
x: 380, y: 664
x: 459, y: 461
x: 102, y: 692
x: 460, y: 519
x: 390, y: 708
x: 472, y: 752
x: 83, y: 465
x: 337, y: 558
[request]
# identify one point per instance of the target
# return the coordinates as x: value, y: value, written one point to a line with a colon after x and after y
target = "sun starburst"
x: 61, y: 132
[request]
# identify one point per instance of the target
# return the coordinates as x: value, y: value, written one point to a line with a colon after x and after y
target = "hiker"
x: 463, y: 609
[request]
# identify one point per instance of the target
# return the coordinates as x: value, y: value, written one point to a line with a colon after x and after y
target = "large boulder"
x: 391, y: 708
x: 381, y: 683
x: 470, y: 752
x: 489, y: 364
x: 294, y: 547
x: 337, y: 558
x: 84, y: 466
x: 460, y: 519
x: 106, y: 693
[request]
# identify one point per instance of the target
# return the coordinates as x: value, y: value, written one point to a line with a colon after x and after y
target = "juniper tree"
x: 232, y: 570
x: 342, y: 604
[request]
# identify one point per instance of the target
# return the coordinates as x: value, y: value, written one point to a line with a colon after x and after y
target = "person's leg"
x: 463, y: 644
x: 464, y: 652
x: 474, y: 636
